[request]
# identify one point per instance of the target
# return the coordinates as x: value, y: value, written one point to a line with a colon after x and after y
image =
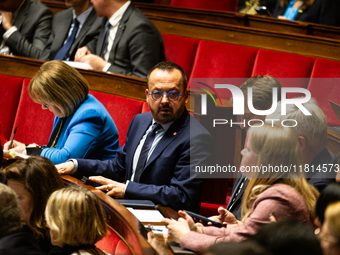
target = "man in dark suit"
x: 63, y: 44
x: 162, y: 170
x: 25, y: 29
x: 12, y: 239
x: 128, y: 43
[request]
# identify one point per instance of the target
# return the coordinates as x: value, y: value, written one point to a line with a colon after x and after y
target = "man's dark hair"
x: 242, y: 248
x: 291, y: 237
x: 329, y: 195
x: 169, y: 67
x: 262, y: 90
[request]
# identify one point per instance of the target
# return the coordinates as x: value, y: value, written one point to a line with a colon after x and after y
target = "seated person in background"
x: 285, y: 194
x: 25, y: 27
x: 161, y: 151
x: 288, y: 237
x: 76, y: 221
x: 311, y: 131
x: 324, y: 12
x: 313, y: 142
x: 12, y: 239
x: 71, y: 29
x: 248, y: 6
x: 82, y: 126
x: 262, y: 91
x: 128, y: 43
x: 330, y: 232
x: 34, y: 180
x: 329, y: 195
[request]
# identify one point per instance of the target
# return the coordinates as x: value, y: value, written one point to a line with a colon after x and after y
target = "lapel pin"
x: 175, y: 133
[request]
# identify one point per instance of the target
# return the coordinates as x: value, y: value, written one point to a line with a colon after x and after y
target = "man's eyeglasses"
x: 158, y: 95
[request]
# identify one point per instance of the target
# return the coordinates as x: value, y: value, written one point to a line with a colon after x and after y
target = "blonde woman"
x: 286, y: 194
x: 76, y: 221
x: 82, y: 126
x: 330, y: 231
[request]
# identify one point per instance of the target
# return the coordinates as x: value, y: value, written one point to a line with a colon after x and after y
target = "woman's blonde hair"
x: 59, y: 84
x: 332, y: 217
x: 306, y: 4
x: 40, y: 178
x: 277, y: 146
x: 76, y: 217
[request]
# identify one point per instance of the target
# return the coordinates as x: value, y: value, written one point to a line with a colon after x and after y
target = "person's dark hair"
x: 169, y: 67
x: 233, y: 248
x: 328, y: 196
x: 39, y: 177
x: 9, y: 211
x: 262, y: 88
x: 291, y: 237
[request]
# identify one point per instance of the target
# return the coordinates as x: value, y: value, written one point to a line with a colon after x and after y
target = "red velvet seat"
x: 284, y: 65
x: 121, y: 109
x: 324, y: 86
x: 180, y: 50
x: 222, y: 60
x: 218, y: 5
x: 34, y: 124
x: 113, y: 244
x: 10, y: 90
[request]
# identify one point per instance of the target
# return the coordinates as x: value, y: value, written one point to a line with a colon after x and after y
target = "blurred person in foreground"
x: 66, y: 212
x: 13, y: 240
x: 34, y: 180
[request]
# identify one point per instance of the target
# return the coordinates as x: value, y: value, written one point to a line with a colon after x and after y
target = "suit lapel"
x: 100, y: 37
x: 60, y: 31
x: 21, y: 16
x: 141, y: 129
x: 173, y: 132
x: 86, y: 26
x: 120, y: 31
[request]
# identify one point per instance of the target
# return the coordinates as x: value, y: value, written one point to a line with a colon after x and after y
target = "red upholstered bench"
x: 10, y: 90
x: 113, y: 244
x: 325, y: 85
x: 121, y: 109
x: 34, y: 124
x: 180, y: 50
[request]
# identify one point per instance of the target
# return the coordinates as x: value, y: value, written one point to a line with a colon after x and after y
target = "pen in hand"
x: 10, y: 145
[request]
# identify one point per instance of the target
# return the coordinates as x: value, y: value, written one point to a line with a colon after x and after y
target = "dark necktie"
x: 104, y: 42
x: 145, y: 150
x: 64, y: 51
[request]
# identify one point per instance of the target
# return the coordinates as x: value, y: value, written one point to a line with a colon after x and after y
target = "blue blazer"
x: 89, y: 132
x: 168, y: 177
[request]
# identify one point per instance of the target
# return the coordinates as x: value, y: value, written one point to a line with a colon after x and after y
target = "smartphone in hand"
x: 204, y: 219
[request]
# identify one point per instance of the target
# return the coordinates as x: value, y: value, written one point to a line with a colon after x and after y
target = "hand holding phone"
x: 204, y: 219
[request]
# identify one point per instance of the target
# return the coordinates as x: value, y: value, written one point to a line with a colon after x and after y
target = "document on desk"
x: 9, y: 155
x: 146, y: 215
x: 79, y: 65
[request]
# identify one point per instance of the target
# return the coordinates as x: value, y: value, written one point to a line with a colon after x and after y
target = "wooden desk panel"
x: 117, y: 84
x: 258, y: 38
